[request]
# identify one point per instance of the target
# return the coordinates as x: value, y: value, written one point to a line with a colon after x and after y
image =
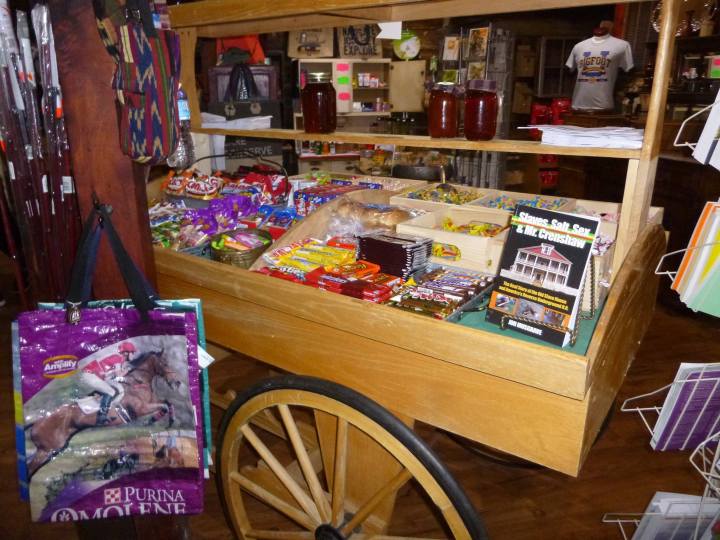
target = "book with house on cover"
x: 540, y: 277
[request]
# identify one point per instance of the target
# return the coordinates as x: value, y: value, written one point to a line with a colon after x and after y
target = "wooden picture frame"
x: 359, y: 41
x: 476, y: 70
x: 477, y: 41
x: 311, y: 43
x: 451, y: 49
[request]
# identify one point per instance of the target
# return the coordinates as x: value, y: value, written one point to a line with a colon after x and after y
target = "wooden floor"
x: 621, y: 473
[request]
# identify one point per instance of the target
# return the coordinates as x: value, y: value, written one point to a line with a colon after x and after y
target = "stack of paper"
x: 677, y: 516
x: 600, y: 137
x: 698, y: 277
x: 691, y: 412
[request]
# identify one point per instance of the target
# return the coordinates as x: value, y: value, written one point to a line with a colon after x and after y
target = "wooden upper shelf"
x: 299, y: 14
x: 495, y: 145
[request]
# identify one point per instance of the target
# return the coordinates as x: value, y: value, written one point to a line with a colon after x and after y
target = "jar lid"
x: 318, y: 77
x: 444, y: 85
x: 482, y: 84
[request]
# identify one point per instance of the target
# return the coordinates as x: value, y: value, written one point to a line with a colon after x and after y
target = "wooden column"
x: 86, y: 70
x: 640, y: 178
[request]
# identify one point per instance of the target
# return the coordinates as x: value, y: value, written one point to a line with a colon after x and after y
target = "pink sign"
x: 343, y: 67
x: 344, y: 96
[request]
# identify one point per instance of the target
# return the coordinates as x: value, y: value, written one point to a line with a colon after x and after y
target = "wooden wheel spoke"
x: 363, y: 512
x: 290, y: 484
x: 306, y: 466
x: 340, y: 474
x: 273, y: 501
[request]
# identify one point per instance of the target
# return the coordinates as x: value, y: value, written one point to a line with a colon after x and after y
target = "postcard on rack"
x: 706, y: 256
x: 698, y: 253
x: 704, y: 149
x: 691, y: 411
x: 538, y: 288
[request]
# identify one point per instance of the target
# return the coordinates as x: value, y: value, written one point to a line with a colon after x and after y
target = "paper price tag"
x: 204, y: 358
x: 44, y: 183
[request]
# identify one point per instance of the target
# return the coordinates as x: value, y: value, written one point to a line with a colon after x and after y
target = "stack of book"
x: 697, y: 280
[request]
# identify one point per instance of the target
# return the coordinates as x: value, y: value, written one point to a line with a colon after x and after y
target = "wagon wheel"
x: 306, y: 432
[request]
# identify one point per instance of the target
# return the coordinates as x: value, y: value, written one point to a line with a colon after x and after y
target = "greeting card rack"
x: 704, y: 510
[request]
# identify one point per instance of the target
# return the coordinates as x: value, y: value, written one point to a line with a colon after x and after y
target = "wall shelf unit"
x: 544, y: 405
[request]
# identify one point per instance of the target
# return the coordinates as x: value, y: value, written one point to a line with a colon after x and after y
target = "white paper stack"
x: 214, y: 121
x: 676, y: 515
x: 599, y: 137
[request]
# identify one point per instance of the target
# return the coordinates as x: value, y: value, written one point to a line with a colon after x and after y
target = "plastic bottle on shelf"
x: 183, y: 157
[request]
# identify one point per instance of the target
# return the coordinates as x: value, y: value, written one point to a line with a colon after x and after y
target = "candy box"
x: 432, y: 198
x: 508, y: 200
x: 480, y: 253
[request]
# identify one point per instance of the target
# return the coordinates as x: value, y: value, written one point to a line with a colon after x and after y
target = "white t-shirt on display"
x: 597, y: 60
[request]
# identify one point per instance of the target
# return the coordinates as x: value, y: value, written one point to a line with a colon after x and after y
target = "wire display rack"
x: 690, y: 411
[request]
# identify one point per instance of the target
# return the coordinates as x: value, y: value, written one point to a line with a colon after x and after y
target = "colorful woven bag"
x: 147, y: 53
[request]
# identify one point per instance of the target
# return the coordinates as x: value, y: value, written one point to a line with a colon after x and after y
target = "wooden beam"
x: 434, y: 9
x: 211, y: 12
x: 415, y: 141
x: 282, y: 24
x: 640, y: 179
x: 224, y: 11
x: 98, y: 164
x: 188, y: 43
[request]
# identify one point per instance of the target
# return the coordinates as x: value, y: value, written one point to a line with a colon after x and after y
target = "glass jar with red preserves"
x: 443, y: 111
x: 481, y: 109
x: 319, y: 105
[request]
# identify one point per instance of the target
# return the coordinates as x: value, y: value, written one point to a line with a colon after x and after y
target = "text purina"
x: 132, y: 501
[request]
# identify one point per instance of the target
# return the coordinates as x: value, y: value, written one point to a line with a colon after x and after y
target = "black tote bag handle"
x: 240, y: 73
x: 141, y: 292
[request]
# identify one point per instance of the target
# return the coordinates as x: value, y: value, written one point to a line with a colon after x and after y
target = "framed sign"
x: 451, y: 49
x: 477, y: 43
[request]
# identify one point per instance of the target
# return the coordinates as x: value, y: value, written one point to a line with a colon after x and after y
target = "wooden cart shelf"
x: 495, y: 145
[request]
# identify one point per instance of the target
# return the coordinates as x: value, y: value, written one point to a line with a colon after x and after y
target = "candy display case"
x: 542, y: 403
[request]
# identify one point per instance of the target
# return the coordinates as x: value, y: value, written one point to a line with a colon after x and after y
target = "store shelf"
x: 366, y: 113
x: 495, y: 145
x: 328, y: 157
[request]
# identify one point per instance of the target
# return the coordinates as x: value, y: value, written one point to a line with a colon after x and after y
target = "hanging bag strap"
x: 240, y: 77
x: 141, y: 292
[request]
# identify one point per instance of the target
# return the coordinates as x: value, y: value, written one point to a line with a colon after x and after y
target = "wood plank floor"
x: 621, y: 473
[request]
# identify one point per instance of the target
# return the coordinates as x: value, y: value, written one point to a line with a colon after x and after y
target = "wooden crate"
x: 394, y: 185
x: 516, y: 195
x: 431, y: 206
x: 476, y: 253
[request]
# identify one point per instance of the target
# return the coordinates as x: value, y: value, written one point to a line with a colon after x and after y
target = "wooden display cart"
x: 543, y: 404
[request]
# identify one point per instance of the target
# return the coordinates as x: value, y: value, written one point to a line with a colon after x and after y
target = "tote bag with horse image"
x: 110, y: 404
